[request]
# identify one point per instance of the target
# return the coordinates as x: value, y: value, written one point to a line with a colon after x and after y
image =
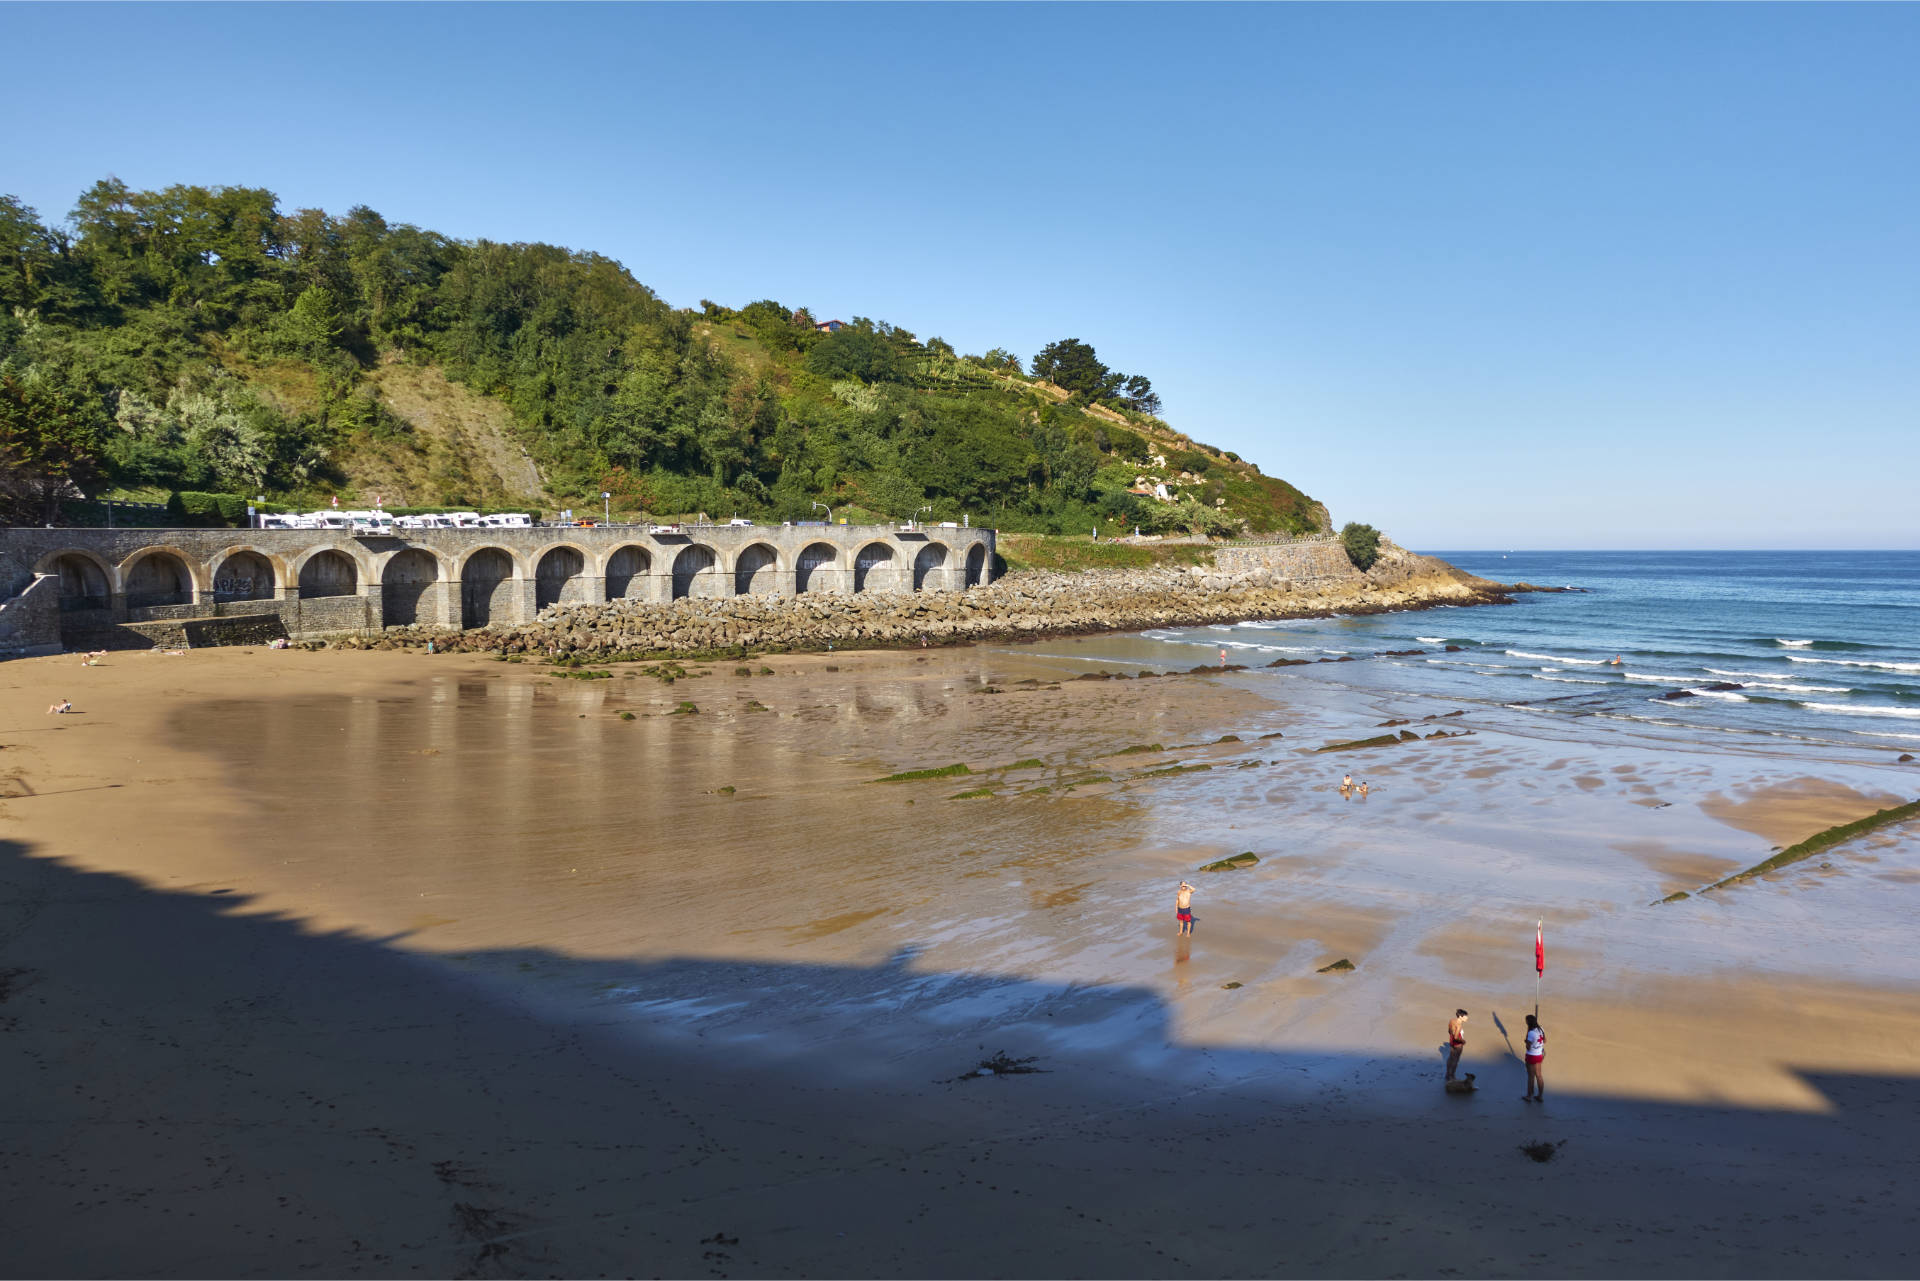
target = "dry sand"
x: 397, y: 964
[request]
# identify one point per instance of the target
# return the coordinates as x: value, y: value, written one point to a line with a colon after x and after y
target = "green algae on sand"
x: 914, y: 775
x: 1821, y: 841
x: 1235, y: 863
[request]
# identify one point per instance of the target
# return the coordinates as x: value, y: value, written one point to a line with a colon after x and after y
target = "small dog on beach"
x: 1461, y: 1085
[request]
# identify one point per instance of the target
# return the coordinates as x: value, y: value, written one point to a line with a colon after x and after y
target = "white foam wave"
x: 1726, y: 694
x: 1881, y: 733
x: 1787, y: 687
x: 1568, y: 680
x: 1856, y: 662
x: 1431, y: 640
x: 1792, y: 644
x: 1905, y: 713
x: 1659, y: 680
x: 1555, y: 658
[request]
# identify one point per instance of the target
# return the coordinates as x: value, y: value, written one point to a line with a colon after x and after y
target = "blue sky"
x: 1514, y: 275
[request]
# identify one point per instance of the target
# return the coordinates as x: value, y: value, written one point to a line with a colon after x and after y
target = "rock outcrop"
x: 1020, y: 606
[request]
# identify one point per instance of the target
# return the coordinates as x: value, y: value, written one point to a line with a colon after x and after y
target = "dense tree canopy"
x: 201, y: 338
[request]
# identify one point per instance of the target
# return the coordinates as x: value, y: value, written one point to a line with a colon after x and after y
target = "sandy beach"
x: 406, y: 964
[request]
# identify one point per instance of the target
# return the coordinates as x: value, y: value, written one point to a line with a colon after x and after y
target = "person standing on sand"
x: 1183, y: 907
x: 1456, y: 1040
x: 1536, y: 1057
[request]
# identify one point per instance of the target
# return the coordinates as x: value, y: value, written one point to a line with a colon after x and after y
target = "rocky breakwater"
x: 1023, y: 605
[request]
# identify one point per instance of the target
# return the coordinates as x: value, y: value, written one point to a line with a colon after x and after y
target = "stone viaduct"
x: 73, y: 587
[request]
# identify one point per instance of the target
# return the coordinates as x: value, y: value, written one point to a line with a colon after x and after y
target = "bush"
x: 195, y: 509
x: 1362, y: 543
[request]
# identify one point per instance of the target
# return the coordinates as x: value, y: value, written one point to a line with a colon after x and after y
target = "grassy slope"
x: 463, y: 447
x: 1265, y: 502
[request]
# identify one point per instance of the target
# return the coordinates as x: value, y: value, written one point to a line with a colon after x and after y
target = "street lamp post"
x: 822, y: 507
x: 606, y: 499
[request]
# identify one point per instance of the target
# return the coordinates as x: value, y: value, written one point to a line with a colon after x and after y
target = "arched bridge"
x: 62, y: 585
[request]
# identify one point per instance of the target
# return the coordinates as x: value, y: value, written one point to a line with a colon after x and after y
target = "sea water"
x: 1774, y: 648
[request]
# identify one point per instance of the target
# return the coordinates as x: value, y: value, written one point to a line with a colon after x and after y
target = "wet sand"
x: 390, y: 963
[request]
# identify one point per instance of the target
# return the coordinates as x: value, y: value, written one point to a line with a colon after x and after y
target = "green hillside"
x: 201, y: 339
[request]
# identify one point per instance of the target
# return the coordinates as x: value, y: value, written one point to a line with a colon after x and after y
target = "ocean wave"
x: 1726, y: 694
x: 1660, y: 680
x: 1555, y: 658
x: 1875, y: 664
x: 1881, y: 733
x: 1567, y: 680
x: 1787, y: 643
x: 1787, y: 687
x: 1843, y: 709
x: 1431, y: 640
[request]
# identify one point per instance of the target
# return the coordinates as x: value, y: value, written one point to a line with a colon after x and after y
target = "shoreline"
x: 389, y: 935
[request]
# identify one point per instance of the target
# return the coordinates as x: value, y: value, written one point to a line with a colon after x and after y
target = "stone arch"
x: 244, y: 573
x: 158, y: 576
x: 559, y: 575
x: 407, y: 577
x: 86, y: 581
x: 976, y: 564
x: 817, y: 569
x: 930, y: 568
x: 328, y: 572
x: 487, y: 579
x: 875, y: 569
x: 696, y: 572
x: 756, y: 571
x: 628, y: 569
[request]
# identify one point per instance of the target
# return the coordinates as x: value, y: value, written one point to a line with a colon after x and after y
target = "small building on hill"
x: 831, y: 326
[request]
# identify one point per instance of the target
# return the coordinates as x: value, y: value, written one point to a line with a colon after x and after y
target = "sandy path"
x: 353, y: 987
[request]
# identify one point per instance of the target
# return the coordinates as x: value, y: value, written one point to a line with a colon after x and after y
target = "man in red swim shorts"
x: 1456, y: 1041
x: 1183, y: 907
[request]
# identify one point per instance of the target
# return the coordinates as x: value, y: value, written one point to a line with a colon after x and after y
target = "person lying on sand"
x: 1183, y: 907
x: 60, y: 708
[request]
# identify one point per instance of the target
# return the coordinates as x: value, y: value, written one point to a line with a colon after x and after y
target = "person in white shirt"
x: 1536, y: 1056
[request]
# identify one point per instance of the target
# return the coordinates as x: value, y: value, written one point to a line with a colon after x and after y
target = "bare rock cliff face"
x: 1024, y: 605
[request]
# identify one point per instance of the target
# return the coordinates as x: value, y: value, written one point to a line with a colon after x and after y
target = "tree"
x: 50, y: 446
x: 861, y: 350
x: 1140, y: 396
x: 1072, y: 365
x: 1362, y: 543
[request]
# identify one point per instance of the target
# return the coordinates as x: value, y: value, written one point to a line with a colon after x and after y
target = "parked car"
x: 739, y: 523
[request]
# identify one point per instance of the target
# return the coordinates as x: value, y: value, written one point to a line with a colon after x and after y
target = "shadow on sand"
x: 192, y: 1089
